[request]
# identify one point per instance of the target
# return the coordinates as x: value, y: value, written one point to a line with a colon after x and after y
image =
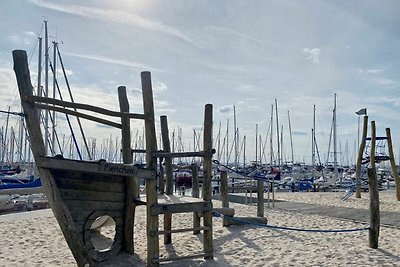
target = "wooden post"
x: 153, y: 249
x: 373, y: 236
x: 359, y: 157
x: 224, y: 194
x: 169, y: 176
x: 132, y: 183
x: 60, y: 210
x: 393, y: 164
x: 161, y: 183
x: 207, y: 216
x: 260, y: 198
x: 195, y: 193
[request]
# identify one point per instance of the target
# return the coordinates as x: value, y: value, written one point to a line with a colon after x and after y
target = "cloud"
x: 386, y: 82
x: 111, y: 15
x: 225, y: 109
x: 370, y: 71
x: 312, y: 54
x: 159, y: 87
x: 225, y: 30
x: 121, y: 62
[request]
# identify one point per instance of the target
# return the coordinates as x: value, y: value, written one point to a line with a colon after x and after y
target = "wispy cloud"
x: 121, y: 62
x: 370, y: 71
x: 225, y: 30
x: 312, y: 54
x: 117, y: 16
x: 386, y: 82
x: 225, y: 109
x: 159, y: 87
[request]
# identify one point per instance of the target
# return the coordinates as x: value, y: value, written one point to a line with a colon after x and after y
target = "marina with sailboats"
x: 225, y: 170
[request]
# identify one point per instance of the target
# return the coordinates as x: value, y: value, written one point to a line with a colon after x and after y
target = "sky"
x: 228, y: 53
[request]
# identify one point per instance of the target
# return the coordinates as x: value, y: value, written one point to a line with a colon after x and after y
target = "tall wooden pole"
x: 373, y: 236
x: 207, y: 216
x: 359, y: 157
x: 393, y: 163
x: 151, y: 163
x: 169, y: 176
x: 132, y: 185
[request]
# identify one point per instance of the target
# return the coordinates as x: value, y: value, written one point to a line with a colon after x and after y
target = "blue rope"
x: 216, y: 214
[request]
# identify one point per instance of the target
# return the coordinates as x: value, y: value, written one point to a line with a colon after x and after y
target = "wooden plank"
x: 52, y: 101
x: 99, y: 167
x: 153, y: 250
x: 79, y: 115
x: 181, y: 207
x: 87, y: 177
x: 260, y: 198
x: 224, y: 194
x: 182, y: 230
x: 60, y: 210
x: 132, y: 184
x: 69, y: 183
x: 78, y: 205
x: 201, y: 255
x: 89, y: 195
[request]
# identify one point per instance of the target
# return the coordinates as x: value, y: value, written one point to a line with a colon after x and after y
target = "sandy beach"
x: 35, y: 239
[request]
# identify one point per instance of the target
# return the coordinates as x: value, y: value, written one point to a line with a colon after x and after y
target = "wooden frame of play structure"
x: 79, y: 192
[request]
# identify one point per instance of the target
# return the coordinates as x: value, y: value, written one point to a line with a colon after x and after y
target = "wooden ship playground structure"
x: 82, y: 192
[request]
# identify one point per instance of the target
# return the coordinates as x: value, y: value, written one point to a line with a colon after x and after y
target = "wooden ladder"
x: 154, y: 209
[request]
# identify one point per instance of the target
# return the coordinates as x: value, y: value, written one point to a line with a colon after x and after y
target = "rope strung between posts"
x: 217, y: 214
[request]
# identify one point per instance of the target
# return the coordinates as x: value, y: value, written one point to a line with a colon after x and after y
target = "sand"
x: 35, y: 239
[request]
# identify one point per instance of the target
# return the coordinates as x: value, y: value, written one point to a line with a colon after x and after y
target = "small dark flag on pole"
x: 362, y: 111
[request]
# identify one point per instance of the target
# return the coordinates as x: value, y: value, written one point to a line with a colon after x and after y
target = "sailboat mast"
x: 256, y: 144
x: 291, y: 138
x: 46, y: 86
x: 235, y: 137
x: 39, y: 79
x: 335, y: 140
x: 271, y: 135
x: 53, y: 133
x: 277, y: 133
x: 313, y: 142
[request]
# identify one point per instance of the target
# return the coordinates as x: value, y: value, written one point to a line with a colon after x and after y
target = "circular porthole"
x: 103, y: 231
x: 103, y: 235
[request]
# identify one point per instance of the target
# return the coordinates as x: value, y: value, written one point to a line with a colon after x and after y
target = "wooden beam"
x: 80, y: 115
x: 181, y: 207
x: 46, y: 100
x: 97, y: 167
